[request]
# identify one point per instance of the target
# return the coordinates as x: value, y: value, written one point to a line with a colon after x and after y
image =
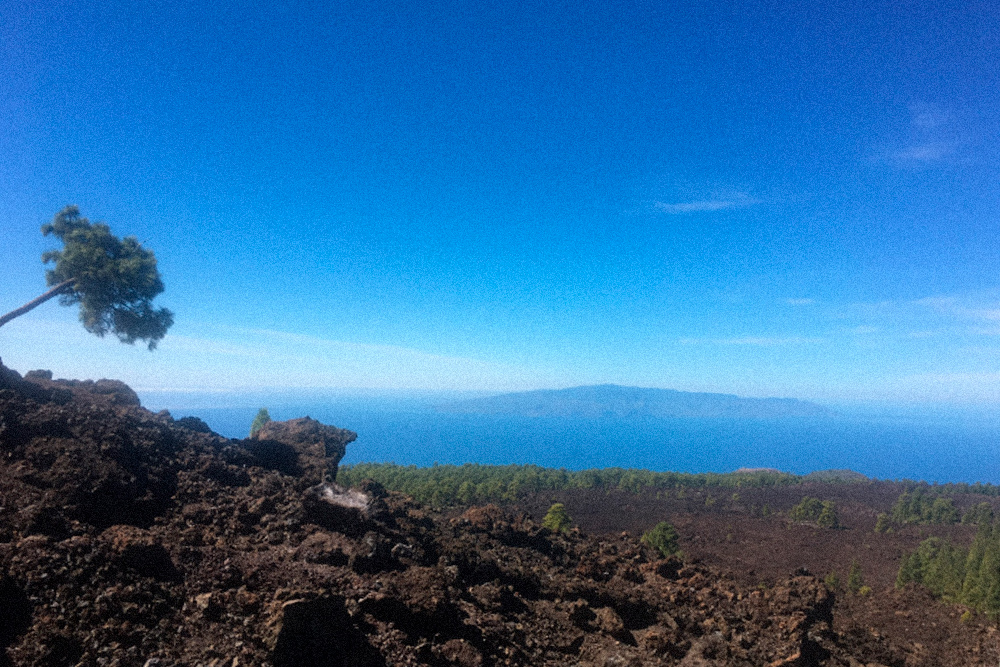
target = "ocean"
x: 932, y: 448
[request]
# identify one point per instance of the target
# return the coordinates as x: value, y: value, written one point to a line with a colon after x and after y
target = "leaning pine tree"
x: 114, y: 280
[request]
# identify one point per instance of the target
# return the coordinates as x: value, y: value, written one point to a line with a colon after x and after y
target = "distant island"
x: 610, y: 400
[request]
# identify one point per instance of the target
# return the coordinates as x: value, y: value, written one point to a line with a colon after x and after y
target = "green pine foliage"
x: 828, y: 515
x: 113, y: 280
x: 557, y: 519
x: 919, y: 507
x: 979, y: 514
x: 813, y: 510
x: 855, y: 581
x: 263, y: 417
x: 664, y: 538
x: 966, y: 576
x: 443, y: 485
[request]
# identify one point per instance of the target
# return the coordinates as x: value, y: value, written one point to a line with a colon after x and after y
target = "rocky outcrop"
x: 318, y: 447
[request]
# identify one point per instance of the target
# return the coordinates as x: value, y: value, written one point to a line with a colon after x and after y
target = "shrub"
x: 832, y: 581
x: 557, y: 519
x: 664, y: 538
x: 828, y: 515
x: 824, y: 512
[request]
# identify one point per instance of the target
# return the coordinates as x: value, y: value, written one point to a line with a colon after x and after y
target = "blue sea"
x: 931, y: 447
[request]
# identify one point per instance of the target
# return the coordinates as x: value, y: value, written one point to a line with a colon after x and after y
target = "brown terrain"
x: 133, y: 539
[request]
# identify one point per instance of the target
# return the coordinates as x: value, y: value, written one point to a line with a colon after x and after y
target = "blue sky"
x: 763, y: 199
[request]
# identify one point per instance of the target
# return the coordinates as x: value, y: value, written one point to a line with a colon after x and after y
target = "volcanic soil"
x: 133, y: 539
x: 730, y: 531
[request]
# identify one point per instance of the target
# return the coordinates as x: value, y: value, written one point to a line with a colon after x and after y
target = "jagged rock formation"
x: 317, y: 447
x: 128, y: 539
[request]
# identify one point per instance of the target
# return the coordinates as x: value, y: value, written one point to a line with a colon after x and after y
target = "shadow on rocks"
x: 321, y: 633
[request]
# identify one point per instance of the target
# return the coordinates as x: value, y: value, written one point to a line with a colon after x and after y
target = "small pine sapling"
x: 557, y: 519
x: 664, y: 538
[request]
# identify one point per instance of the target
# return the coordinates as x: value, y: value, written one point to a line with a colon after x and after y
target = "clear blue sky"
x: 768, y: 199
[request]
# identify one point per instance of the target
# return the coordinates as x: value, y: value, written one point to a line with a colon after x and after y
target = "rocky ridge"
x: 132, y: 539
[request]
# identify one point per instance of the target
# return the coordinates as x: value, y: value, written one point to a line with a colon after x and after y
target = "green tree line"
x: 920, y: 507
x: 442, y: 485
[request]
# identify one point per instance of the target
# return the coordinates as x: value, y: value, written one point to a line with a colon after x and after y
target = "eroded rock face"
x: 319, y: 447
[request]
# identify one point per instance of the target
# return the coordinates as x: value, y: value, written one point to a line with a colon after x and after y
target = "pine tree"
x: 263, y: 417
x: 114, y: 281
x: 854, y: 579
x: 664, y: 538
x: 557, y: 518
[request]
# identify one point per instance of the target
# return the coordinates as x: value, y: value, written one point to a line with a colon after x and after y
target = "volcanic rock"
x: 319, y: 447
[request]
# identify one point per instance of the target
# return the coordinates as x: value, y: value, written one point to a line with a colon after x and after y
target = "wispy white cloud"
x: 937, y: 302
x: 695, y: 206
x: 934, y: 136
x: 927, y: 152
x: 763, y: 341
x: 718, y: 201
x: 961, y: 309
x: 928, y: 116
x: 229, y: 358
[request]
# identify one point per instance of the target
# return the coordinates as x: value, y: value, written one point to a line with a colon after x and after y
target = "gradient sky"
x: 768, y: 199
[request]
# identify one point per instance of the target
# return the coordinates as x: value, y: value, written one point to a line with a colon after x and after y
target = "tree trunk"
x: 55, y: 291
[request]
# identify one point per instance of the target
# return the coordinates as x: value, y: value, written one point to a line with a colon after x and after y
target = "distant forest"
x: 443, y: 485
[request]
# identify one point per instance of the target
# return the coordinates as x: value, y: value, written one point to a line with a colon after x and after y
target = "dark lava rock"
x: 319, y: 447
x: 193, y: 424
x: 126, y: 539
x: 321, y: 633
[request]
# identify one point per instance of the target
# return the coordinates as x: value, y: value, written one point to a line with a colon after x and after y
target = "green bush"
x: 664, y: 538
x: 822, y: 512
x: 828, y: 515
x: 557, y: 519
x: 855, y: 582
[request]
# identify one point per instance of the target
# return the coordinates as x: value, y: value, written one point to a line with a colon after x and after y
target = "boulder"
x: 319, y: 447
